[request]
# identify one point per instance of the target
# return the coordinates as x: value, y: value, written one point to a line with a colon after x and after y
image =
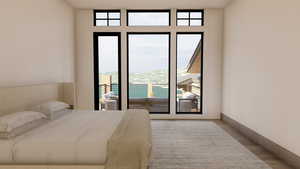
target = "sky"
x: 186, y: 47
x: 146, y: 52
x: 108, y: 54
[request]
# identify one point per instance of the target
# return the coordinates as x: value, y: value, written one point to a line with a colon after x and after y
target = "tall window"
x: 107, y: 18
x: 148, y: 71
x: 107, y: 71
x: 190, y: 18
x: 189, y: 73
x: 148, y: 18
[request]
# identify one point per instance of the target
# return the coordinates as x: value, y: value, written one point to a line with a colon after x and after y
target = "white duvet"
x: 76, y: 138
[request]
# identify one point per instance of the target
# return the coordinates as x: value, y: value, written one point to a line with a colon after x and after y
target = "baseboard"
x: 282, y: 153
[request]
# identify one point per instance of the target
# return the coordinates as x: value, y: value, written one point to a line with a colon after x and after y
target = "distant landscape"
x: 138, y: 83
x: 155, y: 77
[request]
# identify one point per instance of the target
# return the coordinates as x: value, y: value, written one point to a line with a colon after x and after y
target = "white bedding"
x: 76, y: 138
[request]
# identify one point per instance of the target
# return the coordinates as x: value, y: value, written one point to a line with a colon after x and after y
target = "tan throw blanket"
x: 130, y: 145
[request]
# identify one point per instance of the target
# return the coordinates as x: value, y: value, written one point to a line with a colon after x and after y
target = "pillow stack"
x: 15, y: 124
x: 51, y: 109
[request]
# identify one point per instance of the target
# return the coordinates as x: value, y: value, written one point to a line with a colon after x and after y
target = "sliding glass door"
x: 107, y: 71
x: 189, y: 73
x: 148, y: 72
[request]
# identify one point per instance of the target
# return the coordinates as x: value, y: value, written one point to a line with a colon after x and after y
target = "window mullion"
x: 107, y: 18
x: 189, y: 18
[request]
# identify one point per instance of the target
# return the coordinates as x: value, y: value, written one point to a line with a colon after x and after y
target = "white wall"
x: 36, y: 42
x: 213, y: 38
x: 261, y: 68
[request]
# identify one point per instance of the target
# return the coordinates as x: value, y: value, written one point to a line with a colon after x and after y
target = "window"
x: 149, y: 72
x: 164, y: 66
x: 107, y: 18
x: 148, y: 18
x: 107, y: 70
x: 190, y: 18
x: 189, y: 73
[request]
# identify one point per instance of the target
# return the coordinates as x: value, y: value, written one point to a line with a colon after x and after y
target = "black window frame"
x: 107, y: 18
x: 201, y: 77
x: 169, y: 67
x: 147, y: 11
x: 96, y: 67
x: 189, y: 17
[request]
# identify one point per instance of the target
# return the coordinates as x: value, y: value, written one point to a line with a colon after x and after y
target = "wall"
x: 37, y: 42
x: 213, y: 30
x: 261, y: 68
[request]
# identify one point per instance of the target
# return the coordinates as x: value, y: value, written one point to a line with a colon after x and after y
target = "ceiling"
x: 147, y: 4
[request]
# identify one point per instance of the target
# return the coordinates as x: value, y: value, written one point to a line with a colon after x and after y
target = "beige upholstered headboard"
x: 20, y: 98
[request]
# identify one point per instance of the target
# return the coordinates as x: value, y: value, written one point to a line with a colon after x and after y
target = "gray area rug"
x: 198, y: 145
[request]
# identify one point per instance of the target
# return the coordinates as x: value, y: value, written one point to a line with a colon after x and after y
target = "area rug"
x: 198, y: 145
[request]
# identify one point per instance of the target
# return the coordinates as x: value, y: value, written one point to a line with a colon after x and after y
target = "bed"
x: 82, y: 139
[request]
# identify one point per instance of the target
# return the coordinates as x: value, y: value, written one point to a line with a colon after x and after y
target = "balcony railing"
x: 154, y: 100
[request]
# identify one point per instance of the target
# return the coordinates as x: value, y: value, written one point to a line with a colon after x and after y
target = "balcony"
x: 154, y: 98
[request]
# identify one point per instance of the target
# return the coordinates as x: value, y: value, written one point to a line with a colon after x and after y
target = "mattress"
x: 79, y: 137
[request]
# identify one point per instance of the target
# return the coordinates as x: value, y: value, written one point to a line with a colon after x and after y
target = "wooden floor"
x: 260, y: 152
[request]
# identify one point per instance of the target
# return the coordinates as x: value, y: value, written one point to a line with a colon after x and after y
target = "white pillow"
x: 50, y: 108
x: 12, y: 121
x: 23, y: 129
x: 188, y: 95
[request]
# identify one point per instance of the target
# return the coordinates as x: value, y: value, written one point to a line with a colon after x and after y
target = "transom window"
x: 107, y: 18
x: 148, y: 18
x: 190, y: 18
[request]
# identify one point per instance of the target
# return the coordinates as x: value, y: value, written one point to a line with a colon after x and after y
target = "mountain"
x: 155, y: 77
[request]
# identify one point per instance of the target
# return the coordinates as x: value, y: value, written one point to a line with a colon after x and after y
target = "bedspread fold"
x: 130, y: 145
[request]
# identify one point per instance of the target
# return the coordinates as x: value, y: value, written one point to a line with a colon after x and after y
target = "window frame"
x: 169, y: 67
x: 201, y: 71
x: 96, y: 36
x: 107, y: 18
x: 147, y: 11
x: 189, y: 17
x: 172, y: 28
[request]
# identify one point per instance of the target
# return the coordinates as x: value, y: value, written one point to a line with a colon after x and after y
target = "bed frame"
x: 20, y: 98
